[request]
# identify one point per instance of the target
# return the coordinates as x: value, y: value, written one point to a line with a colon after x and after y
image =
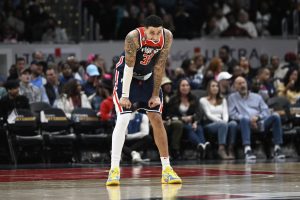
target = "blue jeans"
x: 272, y: 122
x: 194, y: 136
x: 223, y: 129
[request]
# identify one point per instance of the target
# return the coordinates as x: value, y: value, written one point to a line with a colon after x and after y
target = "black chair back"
x: 24, y: 123
x: 55, y: 120
x: 85, y: 120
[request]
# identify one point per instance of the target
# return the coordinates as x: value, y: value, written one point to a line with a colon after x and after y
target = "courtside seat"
x: 91, y: 136
x: 23, y: 134
x: 37, y: 107
x: 55, y: 128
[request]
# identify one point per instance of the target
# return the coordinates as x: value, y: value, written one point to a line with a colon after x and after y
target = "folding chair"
x: 55, y: 128
x: 23, y: 134
x: 87, y: 127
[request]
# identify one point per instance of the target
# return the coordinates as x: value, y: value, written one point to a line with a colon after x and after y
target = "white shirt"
x: 249, y: 27
x: 218, y: 113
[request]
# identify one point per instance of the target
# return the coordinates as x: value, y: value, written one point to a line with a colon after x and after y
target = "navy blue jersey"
x: 147, y: 53
x: 142, y: 83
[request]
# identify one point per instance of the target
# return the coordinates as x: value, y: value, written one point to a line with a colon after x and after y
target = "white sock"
x: 118, y: 138
x: 247, y: 148
x: 276, y: 147
x: 165, y: 161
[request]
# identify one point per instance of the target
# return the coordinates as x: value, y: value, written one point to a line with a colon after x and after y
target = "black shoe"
x: 200, y: 151
x: 250, y: 156
x: 278, y: 155
x: 207, y: 149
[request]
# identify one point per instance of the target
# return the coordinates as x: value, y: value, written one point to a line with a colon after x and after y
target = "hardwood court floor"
x: 225, y: 180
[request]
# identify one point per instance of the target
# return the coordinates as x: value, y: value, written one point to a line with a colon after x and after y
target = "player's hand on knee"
x: 154, y: 101
x: 125, y: 102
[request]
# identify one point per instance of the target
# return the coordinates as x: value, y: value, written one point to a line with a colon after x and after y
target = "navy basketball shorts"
x: 139, y: 94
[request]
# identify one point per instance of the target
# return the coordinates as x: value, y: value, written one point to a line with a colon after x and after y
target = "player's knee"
x: 155, y: 118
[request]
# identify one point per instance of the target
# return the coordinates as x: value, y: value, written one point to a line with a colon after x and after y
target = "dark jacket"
x: 172, y: 108
x: 7, y: 105
x: 50, y: 91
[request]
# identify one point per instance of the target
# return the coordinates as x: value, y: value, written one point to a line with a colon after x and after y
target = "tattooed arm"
x: 159, y: 68
x: 131, y: 46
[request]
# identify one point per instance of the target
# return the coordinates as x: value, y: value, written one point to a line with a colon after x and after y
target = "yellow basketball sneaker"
x: 169, y: 176
x: 113, y: 177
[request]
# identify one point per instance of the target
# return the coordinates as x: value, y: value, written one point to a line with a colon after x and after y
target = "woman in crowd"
x: 290, y: 87
x: 184, y: 106
x: 216, y: 112
x: 72, y: 97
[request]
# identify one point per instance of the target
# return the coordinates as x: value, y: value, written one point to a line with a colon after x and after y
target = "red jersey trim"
x: 144, y: 42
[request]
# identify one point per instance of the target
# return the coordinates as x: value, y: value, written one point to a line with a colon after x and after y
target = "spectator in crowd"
x: 72, y: 97
x: 184, y: 106
x: 245, y: 23
x: 233, y: 30
x: 97, y: 98
x: 221, y: 20
x: 92, y: 81
x: 52, y: 86
x: 137, y: 137
x: 38, y: 56
x: 54, y: 33
x: 217, y: 117
x: 237, y: 71
x: 199, y: 61
x: 33, y: 93
x: 210, y: 28
x: 224, y: 80
x: 228, y: 61
x: 263, y: 17
x: 248, y: 71
x: 37, y: 77
x: 290, y: 86
x: 75, y: 66
x: 37, y: 73
x: 190, y: 71
x: 13, y: 100
x: 264, y: 61
x: 166, y: 86
x: 215, y: 67
x: 252, y: 113
x: 98, y: 61
x: 291, y: 59
x: 66, y: 74
x: 173, y: 127
x: 20, y: 64
x: 13, y: 73
x: 278, y: 70
x: 263, y: 84
x: 106, y: 110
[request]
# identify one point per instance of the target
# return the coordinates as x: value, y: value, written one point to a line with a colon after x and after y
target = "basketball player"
x: 138, y: 78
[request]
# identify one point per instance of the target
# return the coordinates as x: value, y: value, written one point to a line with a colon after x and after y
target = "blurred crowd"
x: 202, y: 98
x: 29, y: 20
